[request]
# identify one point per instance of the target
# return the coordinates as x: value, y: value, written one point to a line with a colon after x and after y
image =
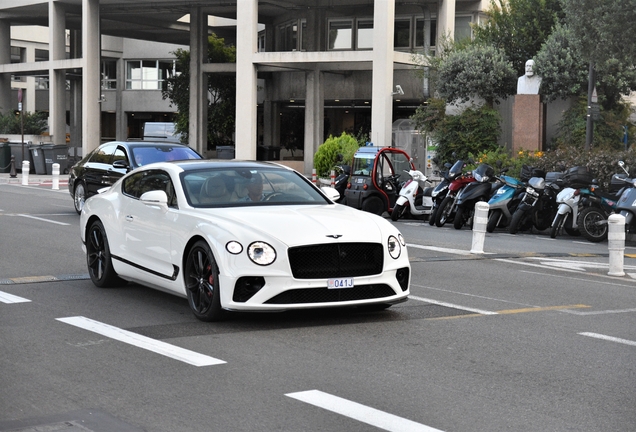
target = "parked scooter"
x: 344, y: 171
x: 596, y: 208
x: 504, y: 202
x: 538, y: 204
x: 414, y: 197
x: 447, y: 208
x: 569, y: 200
x: 626, y: 205
x: 441, y: 190
x: 479, y: 190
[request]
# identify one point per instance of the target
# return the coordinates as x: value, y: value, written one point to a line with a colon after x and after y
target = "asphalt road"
x: 532, y: 335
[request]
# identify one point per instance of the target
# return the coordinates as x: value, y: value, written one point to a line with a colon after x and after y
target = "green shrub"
x: 34, y: 123
x: 327, y: 156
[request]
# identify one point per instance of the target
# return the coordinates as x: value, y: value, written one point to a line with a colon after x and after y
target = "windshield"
x: 457, y: 168
x: 146, y: 155
x: 236, y: 187
x: 363, y: 164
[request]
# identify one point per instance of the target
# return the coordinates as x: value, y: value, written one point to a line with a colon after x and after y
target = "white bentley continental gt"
x: 241, y: 236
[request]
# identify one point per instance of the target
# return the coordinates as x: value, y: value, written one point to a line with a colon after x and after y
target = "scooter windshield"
x: 456, y: 169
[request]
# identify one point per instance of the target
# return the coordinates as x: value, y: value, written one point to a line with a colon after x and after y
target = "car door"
x: 96, y: 168
x: 147, y: 229
x: 114, y: 173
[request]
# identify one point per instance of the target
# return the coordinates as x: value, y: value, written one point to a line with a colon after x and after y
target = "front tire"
x: 98, y: 258
x: 458, y: 221
x: 79, y: 196
x: 397, y: 212
x: 444, y: 212
x: 202, y: 283
x: 493, y: 220
x: 593, y: 224
x: 556, y: 225
x: 515, y: 222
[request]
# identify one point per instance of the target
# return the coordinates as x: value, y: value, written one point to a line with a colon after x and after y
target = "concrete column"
x: 28, y: 101
x: 445, y: 20
x: 268, y: 122
x: 121, y: 120
x: 314, y: 117
x: 76, y: 97
x: 57, y: 78
x: 5, y: 58
x: 198, y: 132
x: 91, y: 79
x: 382, y: 99
x: 246, y: 46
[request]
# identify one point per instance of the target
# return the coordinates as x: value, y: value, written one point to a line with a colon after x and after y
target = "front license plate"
x: 340, y: 283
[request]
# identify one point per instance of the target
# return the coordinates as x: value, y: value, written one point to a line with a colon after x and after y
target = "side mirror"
x: 155, y: 198
x: 121, y: 164
x: 331, y: 193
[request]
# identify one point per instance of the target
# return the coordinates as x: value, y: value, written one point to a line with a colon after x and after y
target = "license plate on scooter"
x: 340, y: 283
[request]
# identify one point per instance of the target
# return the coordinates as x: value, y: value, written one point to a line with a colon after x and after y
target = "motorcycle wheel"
x: 458, y: 221
x: 593, y: 224
x: 556, y: 225
x: 432, y: 216
x: 444, y: 212
x: 493, y: 220
x: 397, y: 212
x: 515, y: 222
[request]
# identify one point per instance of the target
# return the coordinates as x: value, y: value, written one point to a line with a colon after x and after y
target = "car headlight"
x: 261, y: 253
x: 394, y: 247
x: 402, y: 241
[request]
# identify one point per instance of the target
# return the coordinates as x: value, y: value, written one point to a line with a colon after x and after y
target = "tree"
x: 476, y: 71
x: 519, y: 28
x: 221, y: 94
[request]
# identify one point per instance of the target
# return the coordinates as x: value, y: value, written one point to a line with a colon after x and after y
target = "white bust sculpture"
x: 529, y: 83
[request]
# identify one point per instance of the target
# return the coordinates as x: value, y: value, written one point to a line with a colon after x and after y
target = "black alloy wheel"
x: 98, y: 258
x: 202, y: 283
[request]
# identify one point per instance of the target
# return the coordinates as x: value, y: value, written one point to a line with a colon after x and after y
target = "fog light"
x: 402, y: 276
x: 246, y: 287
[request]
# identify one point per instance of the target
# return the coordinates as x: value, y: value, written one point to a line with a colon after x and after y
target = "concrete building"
x: 305, y: 68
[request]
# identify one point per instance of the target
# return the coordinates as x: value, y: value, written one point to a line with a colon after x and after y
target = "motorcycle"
x: 569, y: 200
x: 441, y: 190
x: 414, y: 197
x: 597, y: 207
x: 340, y: 183
x: 448, y: 207
x: 479, y: 190
x: 538, y: 203
x: 504, y: 202
x: 626, y: 205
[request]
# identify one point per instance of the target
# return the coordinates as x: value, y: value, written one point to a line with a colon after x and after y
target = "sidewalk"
x: 35, y: 179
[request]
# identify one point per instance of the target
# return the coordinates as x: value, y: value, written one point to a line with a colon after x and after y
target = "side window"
x: 138, y: 184
x: 104, y: 154
x: 120, y: 154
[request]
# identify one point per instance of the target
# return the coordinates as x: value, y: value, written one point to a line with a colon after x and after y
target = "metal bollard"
x: 12, y: 172
x: 616, y: 244
x: 26, y: 167
x: 480, y: 220
x: 55, y: 169
x: 314, y: 179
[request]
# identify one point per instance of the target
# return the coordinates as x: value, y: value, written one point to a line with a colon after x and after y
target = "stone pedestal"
x: 528, y: 123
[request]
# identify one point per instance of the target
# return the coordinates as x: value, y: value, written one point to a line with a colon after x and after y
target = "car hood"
x: 295, y: 225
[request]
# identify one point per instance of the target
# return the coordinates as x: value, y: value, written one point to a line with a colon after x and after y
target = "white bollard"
x: 55, y: 169
x: 616, y: 244
x: 26, y: 167
x: 480, y: 220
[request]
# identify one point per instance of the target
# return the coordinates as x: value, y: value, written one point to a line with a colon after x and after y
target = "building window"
x: 462, y: 27
x: 109, y: 74
x: 364, y: 34
x: 290, y: 36
x: 148, y: 74
x: 402, y: 33
x: 425, y: 37
x: 340, y: 34
x: 261, y: 42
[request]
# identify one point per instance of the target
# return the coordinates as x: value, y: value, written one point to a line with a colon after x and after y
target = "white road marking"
x: 441, y: 249
x: 474, y: 295
x: 604, y: 312
x: 362, y: 413
x: 612, y: 284
x: 609, y: 338
x: 42, y: 219
x: 10, y: 298
x: 140, y: 341
x: 454, y: 306
x: 533, y: 265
